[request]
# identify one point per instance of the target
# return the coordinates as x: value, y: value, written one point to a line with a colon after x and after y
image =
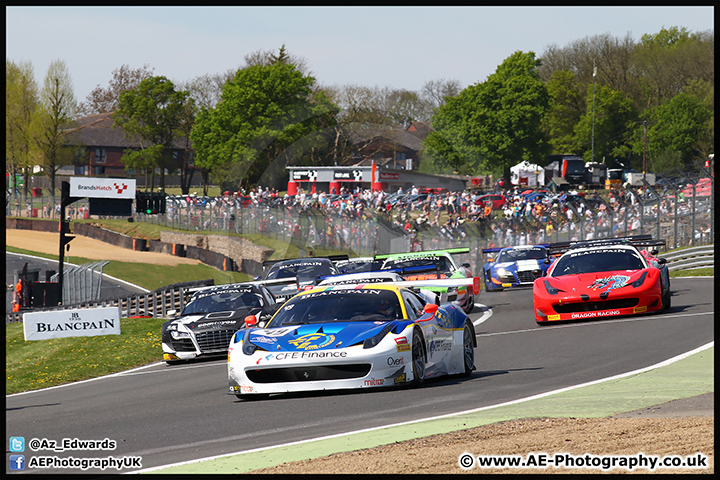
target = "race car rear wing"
x: 473, y: 282
x: 333, y: 258
x: 641, y: 241
x: 277, y: 281
x: 400, y: 271
x: 451, y: 251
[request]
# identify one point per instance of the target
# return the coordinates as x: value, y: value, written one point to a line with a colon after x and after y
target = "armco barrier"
x: 156, y: 303
x: 690, y: 258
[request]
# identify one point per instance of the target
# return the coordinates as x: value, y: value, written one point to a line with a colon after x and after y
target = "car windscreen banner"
x: 85, y: 322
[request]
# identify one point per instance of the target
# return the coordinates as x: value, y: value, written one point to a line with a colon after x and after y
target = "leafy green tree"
x: 566, y: 108
x: 610, y: 58
x: 675, y: 130
x: 495, y: 124
x: 669, y: 60
x: 54, y: 121
x: 264, y: 111
x: 155, y: 113
x: 614, y: 121
x: 21, y: 101
x: 705, y: 92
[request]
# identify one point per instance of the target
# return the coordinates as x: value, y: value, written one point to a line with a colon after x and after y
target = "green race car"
x: 435, y: 264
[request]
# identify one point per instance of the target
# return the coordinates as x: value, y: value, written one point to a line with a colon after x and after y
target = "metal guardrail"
x: 155, y: 304
x: 691, y: 258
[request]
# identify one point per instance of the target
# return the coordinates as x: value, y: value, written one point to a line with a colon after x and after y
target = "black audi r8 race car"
x: 211, y: 317
x: 305, y: 271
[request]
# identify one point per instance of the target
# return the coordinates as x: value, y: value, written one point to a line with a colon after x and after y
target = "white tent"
x: 527, y: 174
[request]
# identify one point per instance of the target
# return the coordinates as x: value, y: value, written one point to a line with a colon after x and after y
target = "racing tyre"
x: 487, y: 283
x: 419, y: 358
x: 468, y: 350
x: 470, y: 304
x: 666, y: 300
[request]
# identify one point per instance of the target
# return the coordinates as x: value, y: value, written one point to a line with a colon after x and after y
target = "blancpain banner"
x: 117, y: 188
x: 86, y: 322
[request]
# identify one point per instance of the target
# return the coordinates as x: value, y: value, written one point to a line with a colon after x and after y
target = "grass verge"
x: 32, y: 365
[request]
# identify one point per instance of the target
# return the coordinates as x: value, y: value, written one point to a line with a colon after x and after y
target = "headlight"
x: 175, y: 334
x: 375, y: 339
x: 550, y: 289
x: 248, y: 348
x: 639, y: 281
x: 502, y: 272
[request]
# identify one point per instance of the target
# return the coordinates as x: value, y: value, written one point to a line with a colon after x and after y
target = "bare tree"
x: 54, y: 121
x: 105, y: 100
x: 268, y: 57
x: 206, y: 90
x: 436, y: 92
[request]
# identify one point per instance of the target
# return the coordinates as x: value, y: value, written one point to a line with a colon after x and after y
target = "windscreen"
x: 305, y: 272
x: 604, y: 260
x: 523, y: 254
x: 340, y: 305
x: 432, y: 262
x: 207, y: 302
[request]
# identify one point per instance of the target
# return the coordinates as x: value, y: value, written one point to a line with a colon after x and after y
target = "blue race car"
x: 350, y: 336
x: 515, y: 266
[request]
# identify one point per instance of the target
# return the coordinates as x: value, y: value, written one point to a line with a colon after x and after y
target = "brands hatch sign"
x: 93, y: 187
x: 86, y: 322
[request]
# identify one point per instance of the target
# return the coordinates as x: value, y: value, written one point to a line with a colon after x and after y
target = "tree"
x: 566, y: 108
x: 264, y: 111
x: 675, y: 130
x: 206, y: 90
x: 268, y: 57
x: 672, y: 58
x: 612, y: 57
x: 54, y: 121
x: 106, y: 100
x: 21, y: 101
x: 436, y: 92
x: 614, y: 122
x: 495, y: 124
x: 154, y: 112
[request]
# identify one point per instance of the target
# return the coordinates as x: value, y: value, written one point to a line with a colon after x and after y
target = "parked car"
x: 498, y: 200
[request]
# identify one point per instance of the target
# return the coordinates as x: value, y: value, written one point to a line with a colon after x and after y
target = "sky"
x: 396, y: 47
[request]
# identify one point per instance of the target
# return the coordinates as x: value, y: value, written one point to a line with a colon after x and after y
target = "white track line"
x: 466, y: 412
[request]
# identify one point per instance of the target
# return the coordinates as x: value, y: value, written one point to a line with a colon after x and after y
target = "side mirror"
x: 251, y: 321
x: 654, y: 252
x: 430, y: 308
x: 662, y: 261
x: 171, y: 313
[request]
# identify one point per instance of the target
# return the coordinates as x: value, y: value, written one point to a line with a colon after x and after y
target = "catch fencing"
x: 679, y: 210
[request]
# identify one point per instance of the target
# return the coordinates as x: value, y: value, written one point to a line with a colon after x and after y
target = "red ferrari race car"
x: 602, y: 278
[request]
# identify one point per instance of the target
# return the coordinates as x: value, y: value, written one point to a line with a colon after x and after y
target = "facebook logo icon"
x: 17, y: 462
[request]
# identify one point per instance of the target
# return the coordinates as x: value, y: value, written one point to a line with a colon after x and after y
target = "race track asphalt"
x: 683, y: 386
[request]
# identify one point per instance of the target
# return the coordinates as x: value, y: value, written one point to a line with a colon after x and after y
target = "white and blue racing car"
x: 350, y: 336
